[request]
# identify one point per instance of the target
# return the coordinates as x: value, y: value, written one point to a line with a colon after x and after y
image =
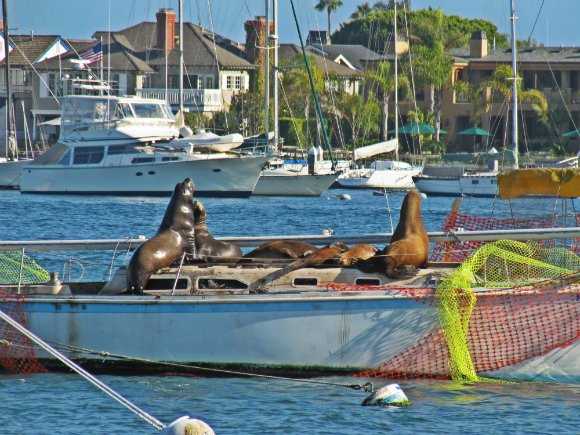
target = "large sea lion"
x: 409, y: 245
x: 207, y: 248
x: 280, y: 250
x: 174, y: 237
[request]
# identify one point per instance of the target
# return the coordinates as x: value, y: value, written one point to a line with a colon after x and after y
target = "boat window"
x: 169, y: 159
x: 124, y: 111
x: 65, y: 159
x: 88, y: 155
x: 122, y: 149
x: 150, y: 110
x: 143, y: 160
x: 167, y: 284
x: 297, y: 282
x: 474, y: 181
x: 220, y: 284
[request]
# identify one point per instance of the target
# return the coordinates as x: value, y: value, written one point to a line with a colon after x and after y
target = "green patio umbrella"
x: 416, y: 128
x: 572, y: 134
x: 474, y: 131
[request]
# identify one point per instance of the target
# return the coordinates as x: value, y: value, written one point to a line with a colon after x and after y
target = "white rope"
x: 93, y: 380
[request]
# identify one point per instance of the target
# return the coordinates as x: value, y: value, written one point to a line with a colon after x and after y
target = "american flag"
x: 93, y: 54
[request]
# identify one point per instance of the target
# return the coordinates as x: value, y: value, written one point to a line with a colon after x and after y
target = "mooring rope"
x: 368, y: 387
x: 89, y: 377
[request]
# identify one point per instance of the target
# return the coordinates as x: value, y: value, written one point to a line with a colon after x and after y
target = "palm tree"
x: 500, y: 84
x: 361, y: 11
x: 329, y: 6
x: 433, y: 68
x: 386, y: 82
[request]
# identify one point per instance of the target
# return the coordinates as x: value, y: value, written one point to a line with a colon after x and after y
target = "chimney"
x: 165, y: 29
x: 478, y: 46
x: 256, y: 38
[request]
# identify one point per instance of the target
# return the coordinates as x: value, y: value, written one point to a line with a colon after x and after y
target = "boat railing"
x: 378, y: 238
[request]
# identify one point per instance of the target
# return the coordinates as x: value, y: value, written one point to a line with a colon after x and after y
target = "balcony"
x: 196, y: 100
x: 16, y: 89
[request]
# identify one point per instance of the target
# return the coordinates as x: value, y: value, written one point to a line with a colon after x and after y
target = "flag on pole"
x: 93, y: 54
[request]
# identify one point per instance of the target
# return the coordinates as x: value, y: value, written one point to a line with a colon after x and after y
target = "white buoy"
x: 389, y: 395
x: 344, y: 197
x: 188, y: 426
x: 327, y: 232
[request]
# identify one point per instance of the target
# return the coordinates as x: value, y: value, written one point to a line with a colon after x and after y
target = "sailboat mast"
x: 267, y: 77
x: 9, y: 130
x: 514, y: 88
x: 396, y: 87
x: 181, y: 57
x: 276, y: 72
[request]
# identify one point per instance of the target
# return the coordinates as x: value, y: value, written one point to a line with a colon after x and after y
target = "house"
x: 355, y: 57
x: 26, y: 53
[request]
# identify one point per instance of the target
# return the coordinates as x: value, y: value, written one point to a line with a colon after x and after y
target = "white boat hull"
x: 329, y: 332
x: 293, y: 185
x: 395, y: 180
x: 473, y: 185
x: 10, y: 173
x: 228, y: 177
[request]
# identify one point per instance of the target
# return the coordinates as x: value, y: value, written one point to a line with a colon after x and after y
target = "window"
x: 55, y: 84
x: 138, y: 160
x: 88, y: 155
x: 169, y: 159
x: 208, y: 82
x: 234, y: 82
x: 574, y: 80
x: 238, y: 82
x: 229, y: 82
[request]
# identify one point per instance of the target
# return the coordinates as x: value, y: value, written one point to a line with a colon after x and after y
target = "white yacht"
x: 130, y: 146
x: 381, y: 174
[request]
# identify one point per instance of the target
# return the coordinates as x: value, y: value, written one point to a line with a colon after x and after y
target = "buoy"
x: 344, y: 197
x: 389, y: 395
x: 188, y: 426
x: 327, y: 232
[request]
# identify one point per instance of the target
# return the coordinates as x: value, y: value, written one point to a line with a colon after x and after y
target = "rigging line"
x: 290, y: 111
x: 412, y: 76
x: 76, y: 349
x: 536, y: 21
x: 209, y: 11
x: 78, y: 369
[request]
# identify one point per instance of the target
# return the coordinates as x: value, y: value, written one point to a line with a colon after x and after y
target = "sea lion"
x: 356, y: 253
x: 207, y: 248
x: 280, y: 250
x: 409, y: 244
x: 320, y: 256
x: 174, y: 237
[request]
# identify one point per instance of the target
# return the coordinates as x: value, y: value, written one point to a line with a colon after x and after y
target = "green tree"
x: 500, y: 84
x: 433, y: 68
x: 385, y: 81
x: 360, y: 116
x: 361, y: 11
x: 328, y: 6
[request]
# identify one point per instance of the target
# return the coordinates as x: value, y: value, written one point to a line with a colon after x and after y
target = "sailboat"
x: 383, y: 174
x: 10, y: 165
x: 279, y: 179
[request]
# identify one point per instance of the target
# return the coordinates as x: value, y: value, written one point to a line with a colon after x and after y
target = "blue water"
x: 67, y: 404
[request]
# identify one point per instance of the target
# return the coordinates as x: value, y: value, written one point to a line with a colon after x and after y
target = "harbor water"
x: 57, y: 403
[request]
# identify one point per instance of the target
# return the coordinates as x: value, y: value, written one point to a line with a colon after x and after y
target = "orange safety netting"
x: 17, y: 353
x: 506, y: 327
x: 456, y: 252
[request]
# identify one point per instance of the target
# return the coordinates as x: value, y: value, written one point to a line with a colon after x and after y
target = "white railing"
x: 199, y: 100
x: 381, y: 238
x: 15, y: 89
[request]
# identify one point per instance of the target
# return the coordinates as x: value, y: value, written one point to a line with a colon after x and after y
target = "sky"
x: 556, y: 20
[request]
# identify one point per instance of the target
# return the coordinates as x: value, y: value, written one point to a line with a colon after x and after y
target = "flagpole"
x: 102, y: 61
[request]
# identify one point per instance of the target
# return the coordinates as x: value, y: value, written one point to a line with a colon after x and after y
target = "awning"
x: 572, y: 134
x: 560, y: 182
x: 55, y: 122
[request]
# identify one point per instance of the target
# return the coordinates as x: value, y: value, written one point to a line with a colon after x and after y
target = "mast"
x: 276, y: 72
x: 396, y: 87
x: 514, y: 145
x: 181, y: 57
x: 9, y: 131
x: 267, y: 77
